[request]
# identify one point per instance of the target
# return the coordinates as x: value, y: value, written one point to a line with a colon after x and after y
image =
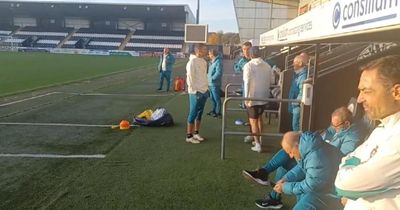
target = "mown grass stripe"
x: 97, y: 156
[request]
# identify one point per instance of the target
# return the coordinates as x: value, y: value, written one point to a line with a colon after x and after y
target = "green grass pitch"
x: 144, y: 168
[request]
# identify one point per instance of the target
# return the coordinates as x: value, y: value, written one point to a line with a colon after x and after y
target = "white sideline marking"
x: 27, y: 99
x: 98, y: 156
x: 61, y: 124
x: 118, y: 94
x: 56, y: 124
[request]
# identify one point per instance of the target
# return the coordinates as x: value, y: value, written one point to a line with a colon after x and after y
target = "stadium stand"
x: 40, y: 37
x: 155, y: 41
x: 96, y: 39
x: 115, y: 25
x: 6, y: 30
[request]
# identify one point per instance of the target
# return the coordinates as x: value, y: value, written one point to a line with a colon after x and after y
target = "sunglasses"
x: 338, y: 125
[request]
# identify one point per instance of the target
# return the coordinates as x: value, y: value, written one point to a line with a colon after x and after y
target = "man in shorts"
x: 257, y: 76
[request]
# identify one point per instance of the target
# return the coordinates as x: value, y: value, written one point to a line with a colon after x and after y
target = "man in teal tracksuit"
x: 296, y: 90
x: 214, y: 82
x: 311, y: 180
x: 238, y: 67
x: 167, y: 60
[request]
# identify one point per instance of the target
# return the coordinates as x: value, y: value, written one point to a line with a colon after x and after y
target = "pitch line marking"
x: 97, y: 156
x: 117, y: 94
x: 27, y: 99
x: 61, y: 124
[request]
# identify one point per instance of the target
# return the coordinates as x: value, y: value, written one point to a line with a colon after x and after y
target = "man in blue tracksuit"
x: 343, y: 134
x: 167, y: 60
x: 311, y: 180
x: 214, y: 76
x: 296, y: 90
x: 238, y: 67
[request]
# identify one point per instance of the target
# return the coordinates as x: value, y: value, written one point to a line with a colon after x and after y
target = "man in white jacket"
x: 257, y: 78
x: 196, y: 80
x: 369, y: 177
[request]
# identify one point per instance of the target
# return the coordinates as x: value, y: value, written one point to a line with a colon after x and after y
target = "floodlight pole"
x: 198, y: 12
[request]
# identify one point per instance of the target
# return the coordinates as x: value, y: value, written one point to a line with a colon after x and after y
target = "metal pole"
x: 198, y: 12
x: 287, y: 58
x: 270, y: 15
x: 314, y: 79
x: 224, y: 110
x: 223, y: 129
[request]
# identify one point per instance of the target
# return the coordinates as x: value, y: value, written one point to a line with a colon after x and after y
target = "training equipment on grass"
x: 146, y: 114
x: 179, y: 84
x: 239, y: 122
x: 124, y: 125
x: 159, y: 118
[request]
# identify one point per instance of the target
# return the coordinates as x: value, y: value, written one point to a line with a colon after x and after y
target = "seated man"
x: 369, y: 177
x: 343, y: 134
x: 311, y: 180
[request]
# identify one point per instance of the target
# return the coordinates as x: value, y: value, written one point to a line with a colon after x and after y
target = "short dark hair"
x: 214, y: 52
x: 343, y: 113
x: 388, y: 68
x: 199, y: 45
x: 247, y: 44
x: 255, y: 52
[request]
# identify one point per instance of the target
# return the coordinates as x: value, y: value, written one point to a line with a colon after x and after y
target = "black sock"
x: 196, y: 132
x: 189, y: 135
x: 263, y: 172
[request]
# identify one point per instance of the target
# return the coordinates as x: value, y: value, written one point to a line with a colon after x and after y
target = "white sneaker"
x: 248, y: 139
x: 192, y: 140
x: 198, y: 137
x: 256, y: 148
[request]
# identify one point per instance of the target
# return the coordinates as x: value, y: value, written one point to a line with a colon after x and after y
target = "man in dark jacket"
x: 311, y: 180
x: 167, y: 60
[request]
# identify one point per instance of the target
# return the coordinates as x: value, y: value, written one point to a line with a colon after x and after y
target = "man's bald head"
x: 298, y: 62
x: 305, y: 57
x: 291, y: 139
x: 290, y: 144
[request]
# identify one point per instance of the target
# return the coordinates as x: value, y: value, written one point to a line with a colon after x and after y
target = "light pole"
x: 198, y: 12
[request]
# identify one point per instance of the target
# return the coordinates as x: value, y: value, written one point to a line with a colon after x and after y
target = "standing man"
x: 369, y: 177
x: 238, y: 69
x: 167, y: 60
x: 214, y: 82
x: 296, y: 90
x: 257, y: 76
x: 196, y: 79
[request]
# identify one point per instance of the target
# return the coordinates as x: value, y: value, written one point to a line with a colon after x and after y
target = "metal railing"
x: 231, y: 85
x: 225, y: 109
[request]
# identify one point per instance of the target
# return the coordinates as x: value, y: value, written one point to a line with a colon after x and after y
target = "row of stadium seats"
x: 47, y: 29
x: 158, y: 41
x: 160, y: 33
x: 119, y: 36
x: 152, y: 45
x: 155, y: 41
x: 93, y: 39
x: 102, y: 31
x: 6, y: 30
